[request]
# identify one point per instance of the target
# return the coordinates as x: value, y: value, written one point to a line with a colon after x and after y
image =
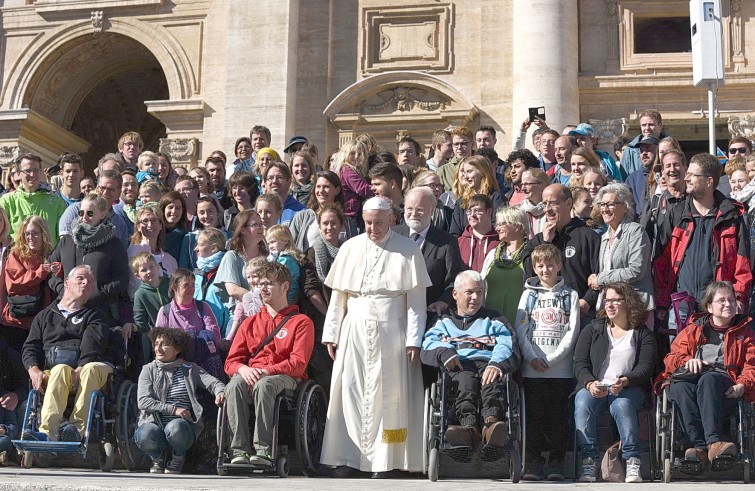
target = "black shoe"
x: 394, y: 474
x: 343, y: 472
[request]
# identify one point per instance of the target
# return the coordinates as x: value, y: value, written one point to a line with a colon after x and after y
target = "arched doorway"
x: 95, y: 87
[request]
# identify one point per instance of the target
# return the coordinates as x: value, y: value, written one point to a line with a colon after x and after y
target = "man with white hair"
x: 439, y: 248
x: 373, y: 330
x: 68, y: 351
x: 476, y: 346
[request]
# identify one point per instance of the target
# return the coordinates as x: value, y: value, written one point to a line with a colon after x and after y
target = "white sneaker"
x: 589, y: 470
x: 633, y: 470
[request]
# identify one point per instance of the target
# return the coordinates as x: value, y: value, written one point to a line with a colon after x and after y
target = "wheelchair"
x: 670, y: 446
x: 299, y: 419
x: 113, y: 413
x: 465, y: 461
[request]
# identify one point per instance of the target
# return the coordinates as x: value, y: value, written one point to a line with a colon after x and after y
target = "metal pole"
x: 711, y: 118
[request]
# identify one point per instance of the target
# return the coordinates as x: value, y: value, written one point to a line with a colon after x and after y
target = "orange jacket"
x: 739, y: 351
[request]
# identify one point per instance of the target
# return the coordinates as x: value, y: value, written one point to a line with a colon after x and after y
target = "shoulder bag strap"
x: 271, y: 335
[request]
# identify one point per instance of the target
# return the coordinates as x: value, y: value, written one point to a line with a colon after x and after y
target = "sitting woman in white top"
x: 613, y: 364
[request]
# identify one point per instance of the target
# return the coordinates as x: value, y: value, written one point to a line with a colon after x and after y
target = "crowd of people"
x: 589, y: 275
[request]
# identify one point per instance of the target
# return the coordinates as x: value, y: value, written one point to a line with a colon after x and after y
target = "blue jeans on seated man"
x: 703, y: 407
x: 9, y: 422
x: 623, y: 408
x: 177, y: 436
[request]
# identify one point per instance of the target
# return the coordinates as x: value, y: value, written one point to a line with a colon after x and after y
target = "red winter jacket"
x: 287, y: 353
x: 731, y: 245
x: 739, y: 351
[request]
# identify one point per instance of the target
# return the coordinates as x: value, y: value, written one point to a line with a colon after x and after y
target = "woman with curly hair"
x: 613, y: 364
x: 473, y: 176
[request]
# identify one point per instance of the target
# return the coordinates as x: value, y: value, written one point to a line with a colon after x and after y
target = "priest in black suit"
x: 440, y: 249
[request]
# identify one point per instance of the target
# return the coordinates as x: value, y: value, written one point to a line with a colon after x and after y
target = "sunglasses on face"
x: 88, y: 213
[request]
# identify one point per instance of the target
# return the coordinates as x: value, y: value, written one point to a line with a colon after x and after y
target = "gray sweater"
x: 154, y: 381
x: 629, y: 260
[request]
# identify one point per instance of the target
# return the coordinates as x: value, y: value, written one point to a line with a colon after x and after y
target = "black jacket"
x: 443, y: 261
x: 88, y: 327
x: 13, y: 377
x: 580, y: 250
x: 592, y: 349
x: 109, y: 263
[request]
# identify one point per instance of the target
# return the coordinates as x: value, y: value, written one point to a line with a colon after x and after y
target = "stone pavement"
x: 16, y: 479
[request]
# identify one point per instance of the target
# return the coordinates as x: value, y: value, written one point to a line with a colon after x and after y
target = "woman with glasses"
x: 277, y: 180
x: 304, y: 225
x: 624, y: 247
x: 613, y: 364
x: 719, y: 345
x: 93, y: 242
x: 473, y: 176
x: 149, y: 236
x: 25, y: 275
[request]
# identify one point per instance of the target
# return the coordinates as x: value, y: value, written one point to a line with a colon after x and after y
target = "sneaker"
x: 633, y: 470
x: 158, y: 465
x: 69, y: 433
x: 589, y: 470
x: 3, y: 458
x: 555, y: 471
x: 240, y: 457
x: 175, y: 465
x: 533, y: 472
x: 261, y: 459
x: 34, y: 435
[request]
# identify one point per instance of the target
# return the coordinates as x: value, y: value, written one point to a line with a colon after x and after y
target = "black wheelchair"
x: 465, y: 461
x: 299, y: 420
x: 670, y: 444
x: 113, y: 413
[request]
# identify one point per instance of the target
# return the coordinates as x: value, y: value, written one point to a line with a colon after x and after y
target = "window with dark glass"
x: 662, y: 35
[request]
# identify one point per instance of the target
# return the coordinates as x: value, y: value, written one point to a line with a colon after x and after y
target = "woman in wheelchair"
x: 613, y: 362
x: 171, y: 416
x: 711, y: 365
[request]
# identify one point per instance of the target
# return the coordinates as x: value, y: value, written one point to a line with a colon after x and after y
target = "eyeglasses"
x: 255, y: 225
x: 527, y: 184
x: 29, y: 172
x: 613, y: 301
x: 608, y: 204
x: 275, y: 178
x: 734, y: 150
x: 105, y: 189
x: 475, y: 212
x: 725, y: 301
x: 149, y: 221
x: 551, y: 204
x: 689, y: 174
x: 88, y: 213
x: 32, y: 235
x: 130, y: 144
x: 432, y: 185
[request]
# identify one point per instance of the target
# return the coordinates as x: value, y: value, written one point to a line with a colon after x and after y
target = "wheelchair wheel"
x: 433, y: 464
x: 125, y: 427
x: 281, y: 466
x: 106, y: 457
x: 27, y: 459
x: 515, y: 463
x: 746, y: 465
x: 222, y: 471
x: 309, y: 421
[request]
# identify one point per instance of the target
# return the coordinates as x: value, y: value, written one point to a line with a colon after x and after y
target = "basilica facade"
x: 194, y: 75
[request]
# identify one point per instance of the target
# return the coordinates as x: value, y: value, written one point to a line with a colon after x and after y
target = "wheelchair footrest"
x: 724, y: 463
x: 54, y: 447
x: 247, y: 467
x: 489, y: 453
x: 691, y: 467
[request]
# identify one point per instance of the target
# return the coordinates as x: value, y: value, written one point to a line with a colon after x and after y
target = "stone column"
x: 546, y: 61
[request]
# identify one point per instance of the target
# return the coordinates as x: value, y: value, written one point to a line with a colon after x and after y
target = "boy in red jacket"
x: 269, y: 354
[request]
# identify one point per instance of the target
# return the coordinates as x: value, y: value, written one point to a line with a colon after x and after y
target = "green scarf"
x: 513, y: 261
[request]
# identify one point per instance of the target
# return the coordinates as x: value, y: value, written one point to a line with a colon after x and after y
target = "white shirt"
x: 620, y: 359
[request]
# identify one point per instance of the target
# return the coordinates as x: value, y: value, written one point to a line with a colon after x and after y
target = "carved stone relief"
x: 403, y: 99
x: 407, y: 38
x: 182, y: 151
x: 742, y: 126
x: 608, y: 131
x: 96, y: 21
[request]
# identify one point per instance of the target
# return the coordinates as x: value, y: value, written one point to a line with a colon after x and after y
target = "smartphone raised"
x: 538, y: 112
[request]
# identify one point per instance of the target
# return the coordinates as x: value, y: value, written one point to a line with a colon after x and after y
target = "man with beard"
x: 638, y: 181
x: 579, y: 246
x: 373, y: 331
x: 651, y: 125
x: 709, y: 241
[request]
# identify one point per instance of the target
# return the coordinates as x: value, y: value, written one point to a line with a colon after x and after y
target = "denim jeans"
x: 177, y: 436
x: 8, y: 419
x: 623, y: 408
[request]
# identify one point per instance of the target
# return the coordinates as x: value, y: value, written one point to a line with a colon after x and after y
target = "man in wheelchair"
x: 476, y: 347
x: 269, y: 354
x: 67, y: 350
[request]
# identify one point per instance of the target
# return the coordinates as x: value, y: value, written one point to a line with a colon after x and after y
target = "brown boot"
x: 697, y: 455
x: 494, y: 432
x: 462, y: 436
x: 719, y: 449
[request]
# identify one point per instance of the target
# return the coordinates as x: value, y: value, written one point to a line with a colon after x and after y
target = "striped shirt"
x: 178, y: 394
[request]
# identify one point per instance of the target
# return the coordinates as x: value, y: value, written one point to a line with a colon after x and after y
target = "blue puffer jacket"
x: 484, y: 336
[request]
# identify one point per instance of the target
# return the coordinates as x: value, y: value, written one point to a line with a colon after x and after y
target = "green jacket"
x: 147, y: 304
x: 446, y: 172
x: 19, y: 205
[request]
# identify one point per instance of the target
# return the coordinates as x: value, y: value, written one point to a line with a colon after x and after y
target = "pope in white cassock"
x: 373, y: 330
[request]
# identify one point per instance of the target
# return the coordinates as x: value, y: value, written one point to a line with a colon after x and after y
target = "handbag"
x: 67, y: 353
x: 612, y: 465
x: 21, y: 306
x: 684, y: 374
